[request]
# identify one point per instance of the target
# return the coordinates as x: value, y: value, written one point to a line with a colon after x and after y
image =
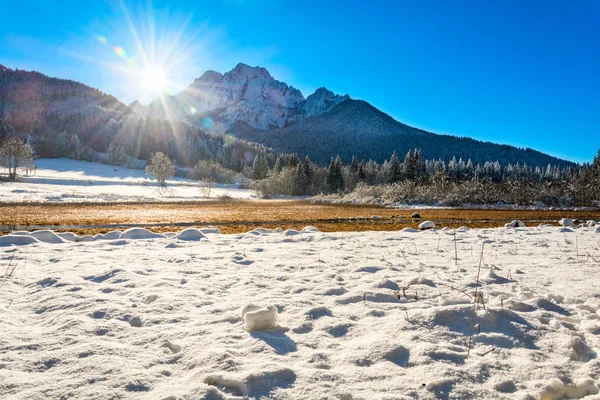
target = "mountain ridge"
x: 249, y: 103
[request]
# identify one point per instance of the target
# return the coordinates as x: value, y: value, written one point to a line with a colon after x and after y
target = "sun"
x: 154, y: 79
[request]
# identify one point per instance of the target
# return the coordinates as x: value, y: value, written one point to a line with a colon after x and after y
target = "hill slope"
x: 355, y: 128
x: 59, y: 114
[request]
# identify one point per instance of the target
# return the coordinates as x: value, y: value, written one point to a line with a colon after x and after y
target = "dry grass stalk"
x: 476, y: 297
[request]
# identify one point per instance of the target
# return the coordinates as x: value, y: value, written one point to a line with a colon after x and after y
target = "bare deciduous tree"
x: 15, y: 153
x: 160, y: 167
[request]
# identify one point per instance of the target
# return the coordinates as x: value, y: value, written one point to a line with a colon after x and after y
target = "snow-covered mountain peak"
x: 210, y: 76
x: 247, y: 94
x: 246, y: 71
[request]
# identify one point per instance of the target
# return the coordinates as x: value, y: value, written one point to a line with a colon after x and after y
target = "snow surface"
x: 366, y: 315
x: 65, y: 180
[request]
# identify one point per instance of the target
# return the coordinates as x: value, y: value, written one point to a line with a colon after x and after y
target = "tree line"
x: 417, y: 179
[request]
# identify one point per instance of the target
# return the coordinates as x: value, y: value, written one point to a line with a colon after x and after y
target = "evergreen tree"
x: 300, y: 181
x: 362, y: 175
x: 394, y: 170
x: 354, y: 165
x: 260, y: 168
x: 308, y: 171
x: 335, y: 179
x: 278, y: 165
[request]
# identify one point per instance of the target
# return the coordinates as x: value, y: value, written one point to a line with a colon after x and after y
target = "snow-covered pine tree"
x: 395, y: 169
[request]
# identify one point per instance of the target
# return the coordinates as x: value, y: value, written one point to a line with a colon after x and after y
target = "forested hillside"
x: 63, y: 118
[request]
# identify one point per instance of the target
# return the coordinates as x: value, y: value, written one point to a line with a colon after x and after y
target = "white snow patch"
x: 61, y: 180
x: 567, y: 222
x: 515, y: 224
x: 426, y: 225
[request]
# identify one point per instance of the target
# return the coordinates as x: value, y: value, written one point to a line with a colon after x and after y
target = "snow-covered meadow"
x: 366, y: 315
x: 65, y: 180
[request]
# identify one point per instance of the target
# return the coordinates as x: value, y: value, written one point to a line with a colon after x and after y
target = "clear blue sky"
x: 520, y: 72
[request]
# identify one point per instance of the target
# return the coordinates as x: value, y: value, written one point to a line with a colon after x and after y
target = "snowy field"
x: 369, y: 315
x: 64, y: 180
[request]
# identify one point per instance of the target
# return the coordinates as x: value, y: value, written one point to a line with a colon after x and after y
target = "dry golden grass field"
x: 241, y: 216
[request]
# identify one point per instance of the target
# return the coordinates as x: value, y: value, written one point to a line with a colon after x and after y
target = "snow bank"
x: 206, y: 231
x: 70, y: 236
x: 17, y: 240
x: 112, y: 235
x: 191, y: 234
x: 259, y: 318
x: 20, y: 233
x: 140, y: 233
x: 47, y: 236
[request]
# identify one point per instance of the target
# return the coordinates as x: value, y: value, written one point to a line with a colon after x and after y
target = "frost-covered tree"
x: 395, y: 169
x: 160, y: 167
x: 116, y: 155
x: 15, y: 153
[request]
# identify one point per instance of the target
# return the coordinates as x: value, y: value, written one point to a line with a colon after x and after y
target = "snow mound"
x: 256, y: 318
x: 112, y: 235
x: 463, y: 229
x: 597, y: 230
x: 291, y: 232
x: 409, y: 230
x: 69, y: 236
x: 515, y: 224
x: 17, y: 240
x: 567, y: 222
x: 556, y: 389
x: 426, y: 225
x: 191, y: 234
x: 580, y: 351
x: 591, y: 223
x: 86, y: 238
x: 566, y: 230
x: 140, y: 233
x: 210, y: 230
x: 20, y: 233
x: 260, y: 231
x: 309, y: 229
x: 47, y: 236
